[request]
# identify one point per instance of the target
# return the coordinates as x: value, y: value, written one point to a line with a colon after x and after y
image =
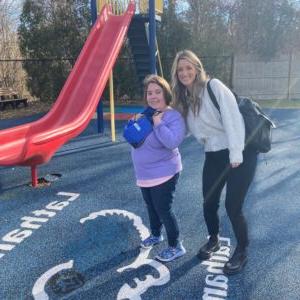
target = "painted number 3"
x: 126, y: 291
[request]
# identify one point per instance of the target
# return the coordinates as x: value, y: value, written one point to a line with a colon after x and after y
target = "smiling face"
x: 155, y: 97
x: 186, y: 73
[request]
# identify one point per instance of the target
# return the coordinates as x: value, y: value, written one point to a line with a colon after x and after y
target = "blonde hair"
x: 182, y: 98
x: 160, y: 82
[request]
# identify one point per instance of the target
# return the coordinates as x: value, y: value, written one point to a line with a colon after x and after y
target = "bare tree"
x: 208, y: 21
x: 266, y: 28
x: 12, y: 74
x: 52, y: 31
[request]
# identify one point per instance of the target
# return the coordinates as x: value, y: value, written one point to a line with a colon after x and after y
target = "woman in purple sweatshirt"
x: 157, y: 164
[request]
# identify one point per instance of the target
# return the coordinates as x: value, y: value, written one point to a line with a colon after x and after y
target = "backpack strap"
x: 212, y: 96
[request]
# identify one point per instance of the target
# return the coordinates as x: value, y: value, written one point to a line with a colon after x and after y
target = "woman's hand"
x: 136, y: 117
x: 157, y: 116
x: 235, y: 165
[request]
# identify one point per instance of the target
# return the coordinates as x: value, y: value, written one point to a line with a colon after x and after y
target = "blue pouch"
x: 136, y: 131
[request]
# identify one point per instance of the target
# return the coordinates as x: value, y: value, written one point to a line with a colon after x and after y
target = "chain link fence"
x: 125, y: 78
x: 275, y: 79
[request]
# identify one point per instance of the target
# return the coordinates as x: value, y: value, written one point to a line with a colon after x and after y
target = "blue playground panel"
x: 125, y: 109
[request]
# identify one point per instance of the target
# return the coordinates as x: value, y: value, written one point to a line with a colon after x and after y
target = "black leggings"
x: 216, y: 173
x: 159, y: 201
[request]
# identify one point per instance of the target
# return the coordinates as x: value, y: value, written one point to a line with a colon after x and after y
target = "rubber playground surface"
x: 78, y: 237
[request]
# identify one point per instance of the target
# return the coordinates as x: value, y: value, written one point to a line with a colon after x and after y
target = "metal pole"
x: 289, y: 76
x: 232, y: 66
x: 100, y: 118
x: 152, y: 36
x: 34, y: 176
x: 93, y: 11
x: 112, y: 107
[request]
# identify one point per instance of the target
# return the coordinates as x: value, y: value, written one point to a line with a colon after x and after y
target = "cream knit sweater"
x: 219, y: 131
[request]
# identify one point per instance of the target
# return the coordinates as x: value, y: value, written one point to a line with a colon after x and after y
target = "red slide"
x: 35, y: 143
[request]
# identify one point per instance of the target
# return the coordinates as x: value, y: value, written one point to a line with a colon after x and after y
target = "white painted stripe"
x: 73, y: 196
x: 126, y: 291
x: 38, y: 290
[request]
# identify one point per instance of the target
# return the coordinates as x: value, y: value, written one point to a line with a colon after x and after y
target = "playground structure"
x: 143, y: 44
x: 35, y: 143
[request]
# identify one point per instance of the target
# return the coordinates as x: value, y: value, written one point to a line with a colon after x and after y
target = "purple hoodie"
x: 159, y: 155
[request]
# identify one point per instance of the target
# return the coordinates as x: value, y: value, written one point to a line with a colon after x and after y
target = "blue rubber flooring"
x: 79, y: 237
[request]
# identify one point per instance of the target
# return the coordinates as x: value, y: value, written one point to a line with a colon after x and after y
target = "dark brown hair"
x: 160, y: 82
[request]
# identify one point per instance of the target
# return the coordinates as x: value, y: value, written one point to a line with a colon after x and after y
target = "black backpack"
x: 257, y: 124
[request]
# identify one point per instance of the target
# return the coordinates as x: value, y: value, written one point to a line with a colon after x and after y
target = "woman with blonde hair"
x: 227, y: 161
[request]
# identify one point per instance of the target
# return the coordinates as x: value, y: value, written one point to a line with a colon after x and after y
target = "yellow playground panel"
x: 144, y: 6
x: 119, y: 6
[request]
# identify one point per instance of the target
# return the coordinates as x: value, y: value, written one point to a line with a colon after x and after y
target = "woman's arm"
x: 170, y: 130
x: 232, y: 121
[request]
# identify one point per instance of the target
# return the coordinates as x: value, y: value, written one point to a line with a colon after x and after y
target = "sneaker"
x: 151, y: 240
x: 171, y: 253
x: 207, y: 249
x: 236, y: 263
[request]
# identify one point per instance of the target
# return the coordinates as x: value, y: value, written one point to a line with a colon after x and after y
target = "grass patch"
x: 279, y: 103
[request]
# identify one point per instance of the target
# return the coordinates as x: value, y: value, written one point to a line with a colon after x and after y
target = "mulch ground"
x: 34, y: 107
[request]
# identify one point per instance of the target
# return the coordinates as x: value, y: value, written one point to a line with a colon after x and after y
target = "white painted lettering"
x: 73, y: 196
x: 213, y: 267
x: 225, y: 251
x: 28, y: 222
x: 219, y: 258
x: 218, y: 281
x: 16, y: 236
x: 225, y: 240
x: 6, y: 247
x: 56, y: 205
x: 209, y: 294
x: 44, y: 212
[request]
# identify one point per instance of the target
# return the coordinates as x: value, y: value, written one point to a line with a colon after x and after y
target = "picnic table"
x: 9, y: 97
